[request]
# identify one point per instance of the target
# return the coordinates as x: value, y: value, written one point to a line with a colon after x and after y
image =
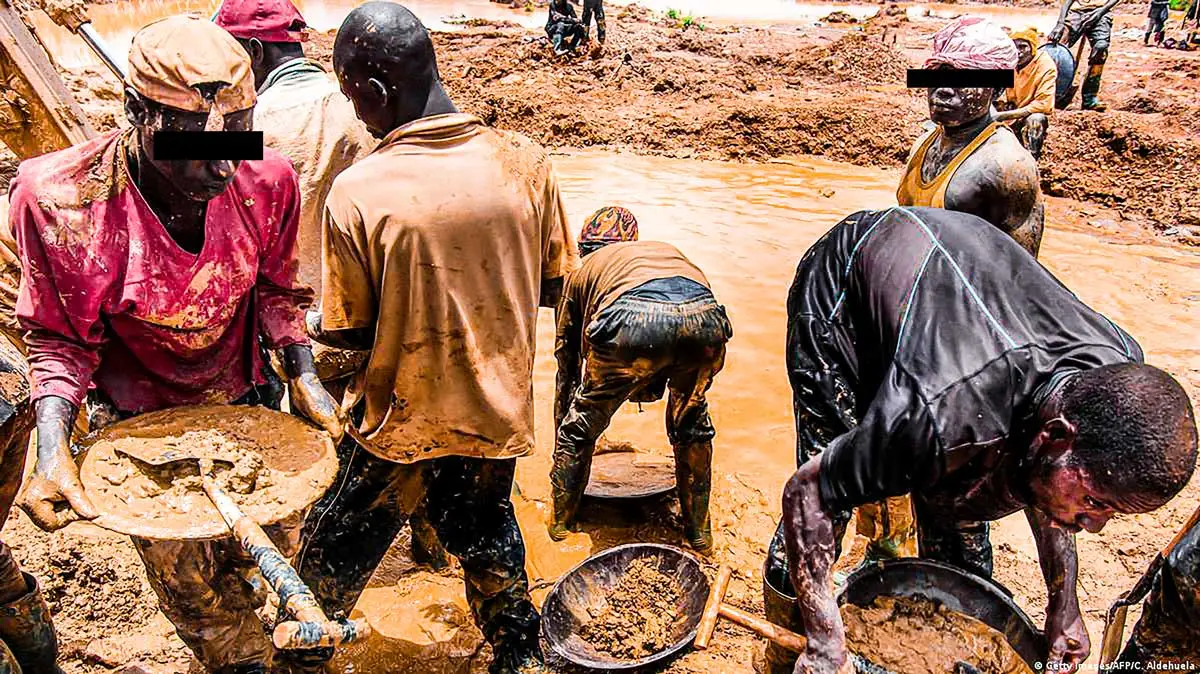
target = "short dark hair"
x: 1136, y: 433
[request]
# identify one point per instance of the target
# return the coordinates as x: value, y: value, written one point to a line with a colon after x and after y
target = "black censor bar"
x: 954, y: 78
x: 208, y: 145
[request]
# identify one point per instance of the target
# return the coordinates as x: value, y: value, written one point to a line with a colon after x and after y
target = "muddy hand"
x: 1056, y: 35
x: 310, y: 399
x: 53, y: 496
x: 818, y: 659
x: 1068, y: 637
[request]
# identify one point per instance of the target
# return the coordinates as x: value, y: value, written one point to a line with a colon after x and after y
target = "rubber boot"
x: 568, y: 480
x: 26, y: 629
x: 1146, y: 39
x: 780, y: 609
x: 1091, y: 89
x: 693, y: 483
x: 1158, y: 38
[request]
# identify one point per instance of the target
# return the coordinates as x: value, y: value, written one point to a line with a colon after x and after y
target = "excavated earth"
x: 747, y: 93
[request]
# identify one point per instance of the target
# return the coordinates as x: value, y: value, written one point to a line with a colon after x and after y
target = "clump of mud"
x: 173, y: 489
x: 918, y: 636
x: 859, y: 57
x: 840, y: 17
x: 638, y: 614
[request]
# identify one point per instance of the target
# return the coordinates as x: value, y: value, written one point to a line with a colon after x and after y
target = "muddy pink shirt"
x: 111, y: 299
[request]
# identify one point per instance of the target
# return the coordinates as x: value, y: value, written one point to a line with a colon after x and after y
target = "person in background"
x: 438, y: 250
x: 1156, y: 22
x: 1029, y: 103
x: 305, y: 116
x: 160, y: 283
x: 1091, y: 19
x: 563, y: 27
x: 970, y: 163
x: 593, y: 8
x: 645, y: 321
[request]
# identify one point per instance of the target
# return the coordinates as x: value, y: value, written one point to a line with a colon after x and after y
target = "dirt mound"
x: 104, y: 611
x: 1118, y: 160
x: 858, y: 57
x: 840, y: 17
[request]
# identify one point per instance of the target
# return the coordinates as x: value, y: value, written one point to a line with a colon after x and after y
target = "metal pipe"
x: 97, y: 44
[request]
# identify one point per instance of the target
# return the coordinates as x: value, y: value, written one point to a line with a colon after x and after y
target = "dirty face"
x: 1068, y: 496
x: 1024, y: 53
x: 198, y: 179
x: 956, y: 107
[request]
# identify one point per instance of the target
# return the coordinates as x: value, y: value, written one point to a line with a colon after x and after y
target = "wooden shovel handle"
x: 765, y: 628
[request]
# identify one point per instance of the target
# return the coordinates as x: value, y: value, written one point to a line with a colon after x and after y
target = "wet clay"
x: 271, y: 464
x: 175, y: 489
x: 637, y: 615
x: 918, y: 636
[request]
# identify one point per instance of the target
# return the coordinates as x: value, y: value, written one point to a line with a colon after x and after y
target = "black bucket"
x: 1064, y: 61
x: 985, y: 600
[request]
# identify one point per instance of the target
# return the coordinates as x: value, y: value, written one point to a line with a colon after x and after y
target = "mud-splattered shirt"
x: 110, y: 299
x: 440, y: 241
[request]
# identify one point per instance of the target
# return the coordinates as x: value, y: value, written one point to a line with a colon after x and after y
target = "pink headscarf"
x: 973, y: 43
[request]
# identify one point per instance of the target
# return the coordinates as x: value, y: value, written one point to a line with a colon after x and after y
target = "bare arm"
x: 1065, y: 630
x: 1016, y: 205
x: 809, y: 536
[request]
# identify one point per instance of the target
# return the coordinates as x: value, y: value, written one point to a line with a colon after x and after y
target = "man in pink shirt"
x: 155, y: 283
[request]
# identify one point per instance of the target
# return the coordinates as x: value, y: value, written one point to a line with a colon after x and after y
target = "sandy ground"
x: 1128, y: 181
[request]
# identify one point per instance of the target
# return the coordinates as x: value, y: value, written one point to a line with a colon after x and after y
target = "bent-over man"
x: 930, y: 355
x: 645, y: 321
x: 155, y: 282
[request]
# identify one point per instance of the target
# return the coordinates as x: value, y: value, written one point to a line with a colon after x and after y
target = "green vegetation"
x: 683, y: 20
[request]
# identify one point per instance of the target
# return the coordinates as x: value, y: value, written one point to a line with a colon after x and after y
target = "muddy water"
x: 747, y: 227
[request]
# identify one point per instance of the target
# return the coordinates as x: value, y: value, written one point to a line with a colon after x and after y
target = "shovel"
x: 1114, y: 622
x: 312, y: 628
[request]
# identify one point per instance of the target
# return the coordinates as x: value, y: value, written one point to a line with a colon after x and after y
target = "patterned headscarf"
x: 973, y: 43
x: 611, y: 224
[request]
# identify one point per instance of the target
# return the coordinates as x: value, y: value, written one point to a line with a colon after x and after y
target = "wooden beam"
x: 38, y: 114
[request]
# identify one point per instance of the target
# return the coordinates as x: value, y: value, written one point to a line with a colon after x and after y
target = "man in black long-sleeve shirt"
x: 930, y: 355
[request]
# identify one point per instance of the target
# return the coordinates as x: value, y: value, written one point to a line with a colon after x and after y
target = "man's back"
x: 440, y: 240
x: 303, y: 115
x: 949, y: 329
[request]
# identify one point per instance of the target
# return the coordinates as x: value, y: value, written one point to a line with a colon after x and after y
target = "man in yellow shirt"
x: 1030, y: 101
x: 438, y: 249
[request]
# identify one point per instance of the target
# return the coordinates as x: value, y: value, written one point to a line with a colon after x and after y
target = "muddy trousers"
x: 468, y: 503
x: 594, y: 8
x: 566, y: 35
x: 28, y: 643
x: 1157, y: 22
x: 1099, y: 36
x: 210, y: 591
x: 636, y: 346
x: 1168, y: 631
